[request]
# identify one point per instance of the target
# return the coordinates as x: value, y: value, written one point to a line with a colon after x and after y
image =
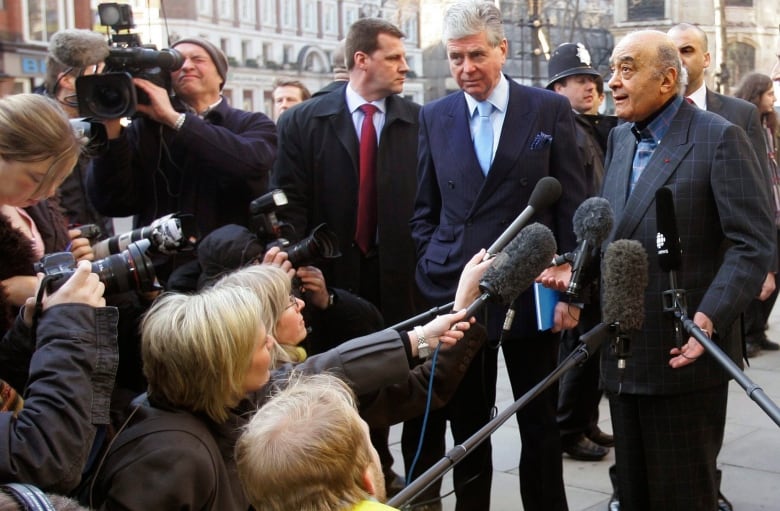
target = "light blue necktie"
x: 483, y: 136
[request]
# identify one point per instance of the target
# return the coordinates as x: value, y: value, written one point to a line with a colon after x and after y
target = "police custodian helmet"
x: 569, y: 59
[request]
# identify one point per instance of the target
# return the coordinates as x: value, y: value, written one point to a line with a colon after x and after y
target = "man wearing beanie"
x: 190, y: 154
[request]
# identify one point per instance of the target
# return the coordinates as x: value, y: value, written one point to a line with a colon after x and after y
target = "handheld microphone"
x: 625, y: 279
x: 669, y: 250
x: 516, y: 267
x: 546, y: 192
x: 592, y: 223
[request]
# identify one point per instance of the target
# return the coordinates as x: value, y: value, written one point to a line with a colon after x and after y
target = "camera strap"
x: 39, y: 306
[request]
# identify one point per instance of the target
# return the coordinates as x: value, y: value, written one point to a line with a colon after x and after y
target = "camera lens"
x: 322, y: 243
x: 126, y: 271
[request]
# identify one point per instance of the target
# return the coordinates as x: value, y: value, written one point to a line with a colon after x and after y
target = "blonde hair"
x: 272, y: 285
x: 197, y: 348
x: 33, y: 128
x: 305, y: 449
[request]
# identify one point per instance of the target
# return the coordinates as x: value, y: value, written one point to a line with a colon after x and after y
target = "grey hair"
x: 669, y: 56
x: 470, y: 17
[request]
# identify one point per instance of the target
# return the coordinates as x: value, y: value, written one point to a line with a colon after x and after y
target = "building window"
x: 226, y: 9
x: 350, y: 16
x: 268, y: 13
x: 204, y: 7
x: 44, y: 18
x: 645, y: 10
x: 248, y: 14
x: 741, y: 60
x: 329, y: 18
x: 739, y: 3
x: 410, y: 29
x: 288, y: 14
x: 248, y: 104
x: 309, y: 15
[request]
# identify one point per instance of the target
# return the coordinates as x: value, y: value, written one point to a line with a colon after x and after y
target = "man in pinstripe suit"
x: 668, y: 406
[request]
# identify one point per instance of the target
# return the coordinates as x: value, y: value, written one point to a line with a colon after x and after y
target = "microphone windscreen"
x: 516, y: 267
x: 624, y: 281
x: 593, y: 221
x: 546, y: 192
x: 78, y: 48
x: 667, y: 240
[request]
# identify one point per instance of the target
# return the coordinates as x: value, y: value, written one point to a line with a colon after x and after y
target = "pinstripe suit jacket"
x: 458, y: 210
x: 721, y: 201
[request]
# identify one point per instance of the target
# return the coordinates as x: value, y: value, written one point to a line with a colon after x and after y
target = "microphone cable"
x: 425, y: 416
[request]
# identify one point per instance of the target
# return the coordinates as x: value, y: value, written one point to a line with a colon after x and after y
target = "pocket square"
x: 541, y: 140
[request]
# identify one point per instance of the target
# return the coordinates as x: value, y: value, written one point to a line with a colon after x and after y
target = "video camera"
x: 127, y: 271
x: 166, y: 235
x: 321, y: 244
x: 111, y: 94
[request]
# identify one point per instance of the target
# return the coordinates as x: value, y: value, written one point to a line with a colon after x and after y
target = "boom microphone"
x: 76, y: 48
x: 516, y: 267
x: 546, y: 192
x: 592, y: 224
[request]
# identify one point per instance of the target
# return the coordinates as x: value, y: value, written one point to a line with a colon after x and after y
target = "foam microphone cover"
x: 516, y: 267
x: 78, y: 48
x: 546, y: 192
x: 624, y: 280
x: 592, y: 221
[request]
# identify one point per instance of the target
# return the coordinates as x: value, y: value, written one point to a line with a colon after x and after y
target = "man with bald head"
x: 668, y: 405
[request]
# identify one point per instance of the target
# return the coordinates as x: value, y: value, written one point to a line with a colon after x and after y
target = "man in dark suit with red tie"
x: 466, y: 199
x: 323, y: 166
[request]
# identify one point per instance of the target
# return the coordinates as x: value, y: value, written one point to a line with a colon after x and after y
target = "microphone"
x: 546, y: 192
x: 592, y: 223
x: 667, y: 239
x: 669, y: 250
x: 516, y: 267
x: 78, y: 48
x: 625, y: 279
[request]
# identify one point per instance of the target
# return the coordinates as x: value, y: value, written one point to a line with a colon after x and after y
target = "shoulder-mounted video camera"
x: 321, y: 244
x: 112, y: 94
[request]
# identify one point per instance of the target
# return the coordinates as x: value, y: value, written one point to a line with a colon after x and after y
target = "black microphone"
x: 516, y: 267
x: 668, y: 238
x: 546, y: 192
x: 624, y: 280
x: 592, y: 223
x: 669, y: 250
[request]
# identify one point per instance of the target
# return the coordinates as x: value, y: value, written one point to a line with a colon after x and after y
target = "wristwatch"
x: 423, y: 350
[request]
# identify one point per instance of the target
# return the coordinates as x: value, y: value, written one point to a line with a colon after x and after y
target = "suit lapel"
x: 335, y: 109
x: 662, y: 165
x: 456, y: 133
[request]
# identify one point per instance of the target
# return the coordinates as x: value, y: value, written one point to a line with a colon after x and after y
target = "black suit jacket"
x: 317, y: 167
x: 721, y: 201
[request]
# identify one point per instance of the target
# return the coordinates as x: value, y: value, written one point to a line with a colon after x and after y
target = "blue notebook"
x: 545, y: 300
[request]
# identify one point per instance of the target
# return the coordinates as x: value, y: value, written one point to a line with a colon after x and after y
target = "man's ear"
x: 368, y: 481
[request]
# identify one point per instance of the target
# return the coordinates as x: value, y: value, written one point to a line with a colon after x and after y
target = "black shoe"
x: 393, y: 483
x: 768, y: 345
x: 752, y: 349
x: 585, y: 449
x: 601, y: 438
x: 723, y: 503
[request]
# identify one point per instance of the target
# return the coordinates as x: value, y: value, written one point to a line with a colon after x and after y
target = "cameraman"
x: 67, y: 373
x: 191, y: 154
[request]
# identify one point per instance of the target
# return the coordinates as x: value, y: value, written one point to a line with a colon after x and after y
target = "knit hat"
x: 216, y: 54
x: 569, y: 59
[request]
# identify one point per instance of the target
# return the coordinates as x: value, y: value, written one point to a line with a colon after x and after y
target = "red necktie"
x: 690, y: 101
x: 365, y: 232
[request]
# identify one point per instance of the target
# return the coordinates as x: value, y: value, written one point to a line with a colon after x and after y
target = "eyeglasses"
x: 293, y: 302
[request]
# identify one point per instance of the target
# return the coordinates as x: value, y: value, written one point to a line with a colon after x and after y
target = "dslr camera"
x: 166, y: 235
x: 111, y: 94
x: 130, y: 270
x: 321, y: 244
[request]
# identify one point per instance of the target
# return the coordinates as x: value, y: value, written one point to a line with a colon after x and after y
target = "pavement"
x: 749, y: 458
